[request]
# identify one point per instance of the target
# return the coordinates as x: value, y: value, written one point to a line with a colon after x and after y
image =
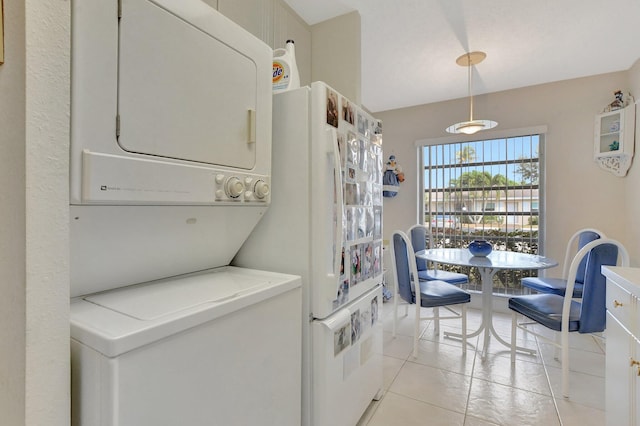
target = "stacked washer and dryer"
x: 170, y: 172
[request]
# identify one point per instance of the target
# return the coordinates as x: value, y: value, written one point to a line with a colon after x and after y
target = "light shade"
x: 472, y: 126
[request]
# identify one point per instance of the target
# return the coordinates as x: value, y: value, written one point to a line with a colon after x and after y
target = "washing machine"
x: 219, y: 347
x: 170, y: 171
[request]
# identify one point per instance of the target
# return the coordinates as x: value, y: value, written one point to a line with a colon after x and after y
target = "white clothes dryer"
x: 170, y: 172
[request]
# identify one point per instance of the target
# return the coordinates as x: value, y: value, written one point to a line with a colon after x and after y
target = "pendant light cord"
x: 470, y: 87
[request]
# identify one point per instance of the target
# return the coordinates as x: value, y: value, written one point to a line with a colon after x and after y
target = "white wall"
x: 335, y: 57
x: 34, y: 118
x: 578, y: 193
x: 632, y: 181
x: 47, y: 204
x: 48, y: 29
x: 12, y: 220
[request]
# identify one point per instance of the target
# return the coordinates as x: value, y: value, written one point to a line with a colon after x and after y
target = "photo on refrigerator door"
x: 366, y: 197
x: 363, y: 124
x: 356, y: 327
x: 351, y: 194
x: 377, y: 223
x: 348, y: 112
x: 377, y: 132
x: 362, y: 222
x: 353, y: 151
x: 370, y: 224
x: 351, y: 173
x: 341, y: 339
x: 379, y: 165
x: 374, y: 310
x: 363, y: 155
x: 356, y: 264
x: 342, y: 147
x: 377, y: 259
x: 332, y: 108
x: 343, y: 294
x: 367, y: 262
x: 351, y: 224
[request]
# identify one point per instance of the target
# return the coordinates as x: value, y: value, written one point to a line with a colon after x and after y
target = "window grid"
x: 486, y: 189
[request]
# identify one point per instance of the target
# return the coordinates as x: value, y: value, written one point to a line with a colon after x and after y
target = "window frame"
x: 540, y: 131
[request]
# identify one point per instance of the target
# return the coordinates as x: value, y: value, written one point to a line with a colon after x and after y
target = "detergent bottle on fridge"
x: 285, y: 70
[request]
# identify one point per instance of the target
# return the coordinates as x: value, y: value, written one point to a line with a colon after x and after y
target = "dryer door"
x: 182, y: 92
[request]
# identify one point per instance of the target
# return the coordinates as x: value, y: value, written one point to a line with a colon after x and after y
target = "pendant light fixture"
x: 472, y: 126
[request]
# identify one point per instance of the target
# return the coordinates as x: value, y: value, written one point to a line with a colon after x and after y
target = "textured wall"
x: 47, y: 204
x: 12, y: 218
x: 632, y: 181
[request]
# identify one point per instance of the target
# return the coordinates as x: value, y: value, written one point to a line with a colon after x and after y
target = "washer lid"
x: 156, y: 300
x: 121, y: 320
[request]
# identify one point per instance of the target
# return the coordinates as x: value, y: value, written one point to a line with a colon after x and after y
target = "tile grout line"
x: 546, y: 373
x: 473, y: 367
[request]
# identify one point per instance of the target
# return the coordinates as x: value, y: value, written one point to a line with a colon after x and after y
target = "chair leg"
x: 514, y: 322
x: 464, y: 330
x: 416, y: 331
x: 565, y: 363
x: 436, y: 320
x: 395, y: 313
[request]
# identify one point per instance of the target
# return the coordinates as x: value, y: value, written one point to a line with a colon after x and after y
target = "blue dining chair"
x: 559, y: 285
x: 432, y: 294
x: 419, y: 235
x: 564, y: 314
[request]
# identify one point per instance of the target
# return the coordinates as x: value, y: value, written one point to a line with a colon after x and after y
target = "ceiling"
x: 409, y: 47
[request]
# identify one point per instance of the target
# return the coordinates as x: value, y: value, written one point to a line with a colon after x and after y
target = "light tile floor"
x: 441, y: 387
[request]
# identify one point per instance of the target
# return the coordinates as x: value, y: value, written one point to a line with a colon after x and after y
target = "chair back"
x: 598, y: 253
x: 584, y: 238
x: 404, y: 265
x: 418, y: 234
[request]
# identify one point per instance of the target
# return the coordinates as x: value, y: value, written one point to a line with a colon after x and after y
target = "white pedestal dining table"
x: 487, y: 266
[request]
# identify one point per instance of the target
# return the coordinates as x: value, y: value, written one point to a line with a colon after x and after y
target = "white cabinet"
x: 614, y: 139
x: 623, y: 348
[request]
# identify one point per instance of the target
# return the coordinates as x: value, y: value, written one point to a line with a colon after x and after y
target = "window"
x: 492, y: 189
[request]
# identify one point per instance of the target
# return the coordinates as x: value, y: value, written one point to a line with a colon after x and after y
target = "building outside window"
x: 491, y: 189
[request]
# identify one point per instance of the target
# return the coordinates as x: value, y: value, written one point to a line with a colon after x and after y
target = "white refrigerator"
x: 325, y: 224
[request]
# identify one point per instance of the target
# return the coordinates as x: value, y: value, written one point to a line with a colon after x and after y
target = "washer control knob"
x: 261, y: 189
x: 219, y: 194
x: 247, y: 195
x: 219, y: 178
x: 234, y: 187
x: 247, y: 181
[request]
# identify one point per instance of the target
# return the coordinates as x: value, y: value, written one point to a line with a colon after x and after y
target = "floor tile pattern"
x: 441, y: 387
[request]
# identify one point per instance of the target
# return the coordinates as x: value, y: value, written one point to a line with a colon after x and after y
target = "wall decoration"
x: 619, y: 102
x: 392, y: 178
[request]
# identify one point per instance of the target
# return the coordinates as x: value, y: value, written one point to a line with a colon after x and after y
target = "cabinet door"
x: 609, y: 132
x: 619, y: 374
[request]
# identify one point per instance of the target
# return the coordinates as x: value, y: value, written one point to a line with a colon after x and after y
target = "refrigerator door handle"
x: 335, y: 151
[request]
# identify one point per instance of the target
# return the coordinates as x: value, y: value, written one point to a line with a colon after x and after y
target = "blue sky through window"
x: 487, y: 151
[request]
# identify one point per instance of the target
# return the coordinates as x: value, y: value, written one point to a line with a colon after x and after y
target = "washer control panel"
x: 235, y: 187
